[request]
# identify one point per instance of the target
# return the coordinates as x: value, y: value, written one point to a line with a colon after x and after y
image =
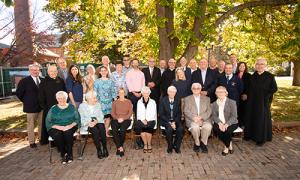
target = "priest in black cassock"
x: 258, y: 123
x: 47, y: 90
x: 167, y: 77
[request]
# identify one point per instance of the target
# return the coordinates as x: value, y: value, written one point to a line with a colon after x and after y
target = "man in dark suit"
x: 187, y: 70
x: 207, y: 78
x: 167, y: 77
x: 232, y: 83
x: 170, y: 118
x: 152, y: 79
x: 27, y: 92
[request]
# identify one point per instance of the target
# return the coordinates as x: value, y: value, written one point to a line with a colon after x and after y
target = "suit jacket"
x: 230, y: 112
x: 27, y: 91
x: 155, y: 92
x: 210, y: 83
x: 234, y: 87
x: 165, y: 111
x: 190, y: 109
x: 188, y: 73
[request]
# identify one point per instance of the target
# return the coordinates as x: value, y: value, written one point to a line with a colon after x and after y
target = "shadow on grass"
x: 13, y: 122
x: 286, y: 104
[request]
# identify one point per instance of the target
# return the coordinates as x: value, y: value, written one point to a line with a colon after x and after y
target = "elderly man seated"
x: 197, y: 111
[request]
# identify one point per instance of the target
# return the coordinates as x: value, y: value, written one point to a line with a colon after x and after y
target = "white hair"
x: 195, y: 85
x: 90, y: 94
x: 146, y: 89
x: 61, y: 94
x: 172, y: 88
x: 34, y: 65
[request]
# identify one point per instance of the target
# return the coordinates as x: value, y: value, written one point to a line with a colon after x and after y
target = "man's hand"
x: 145, y: 122
x: 151, y: 84
x: 244, y: 97
x: 173, y: 125
x: 203, y: 93
x: 120, y: 120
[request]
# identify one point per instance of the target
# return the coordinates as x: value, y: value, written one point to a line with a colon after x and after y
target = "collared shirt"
x: 228, y: 77
x: 161, y: 71
x: 221, y: 105
x: 126, y: 69
x: 203, y: 74
x: 35, y: 80
x: 151, y: 71
x: 135, y: 80
x: 197, y: 100
x: 119, y: 81
x: 65, y: 73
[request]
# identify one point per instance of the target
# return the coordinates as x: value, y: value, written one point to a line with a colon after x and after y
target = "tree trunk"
x: 296, y: 75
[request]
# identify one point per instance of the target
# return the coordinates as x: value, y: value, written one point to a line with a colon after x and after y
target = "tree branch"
x: 253, y: 4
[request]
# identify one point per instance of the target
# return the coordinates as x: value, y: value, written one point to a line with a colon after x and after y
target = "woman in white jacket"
x: 146, y: 118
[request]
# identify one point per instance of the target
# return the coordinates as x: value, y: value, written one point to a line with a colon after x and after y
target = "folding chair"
x: 81, y: 148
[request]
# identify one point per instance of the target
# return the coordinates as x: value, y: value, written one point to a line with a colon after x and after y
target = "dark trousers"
x: 141, y: 127
x: 98, y: 135
x: 134, y: 101
x: 63, y: 140
x: 174, y: 142
x: 225, y: 136
x: 119, y: 131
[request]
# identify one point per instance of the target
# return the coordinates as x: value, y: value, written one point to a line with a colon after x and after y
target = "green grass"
x: 286, y: 104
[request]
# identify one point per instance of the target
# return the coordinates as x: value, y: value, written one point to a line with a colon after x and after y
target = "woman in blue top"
x: 74, y: 86
x: 106, y: 93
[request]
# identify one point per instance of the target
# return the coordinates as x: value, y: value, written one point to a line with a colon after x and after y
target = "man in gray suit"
x: 197, y: 111
x: 62, y: 69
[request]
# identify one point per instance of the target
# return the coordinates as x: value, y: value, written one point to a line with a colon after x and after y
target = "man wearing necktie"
x: 27, y: 92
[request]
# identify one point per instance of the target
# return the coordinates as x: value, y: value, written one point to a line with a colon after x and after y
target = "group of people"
x: 213, y: 96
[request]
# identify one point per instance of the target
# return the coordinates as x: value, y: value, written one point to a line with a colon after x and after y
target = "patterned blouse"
x: 119, y: 80
x: 105, y: 90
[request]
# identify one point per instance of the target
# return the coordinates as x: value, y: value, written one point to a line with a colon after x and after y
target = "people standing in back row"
x: 234, y: 61
x: 74, y: 86
x: 27, y: 91
x: 185, y: 68
x: 168, y: 77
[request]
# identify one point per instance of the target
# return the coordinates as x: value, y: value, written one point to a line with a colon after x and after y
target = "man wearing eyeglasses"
x: 197, y: 111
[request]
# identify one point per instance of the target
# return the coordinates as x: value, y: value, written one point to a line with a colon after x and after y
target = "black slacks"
x: 225, y: 136
x: 134, y: 101
x: 98, y: 135
x: 174, y: 142
x: 119, y: 131
x: 63, y: 140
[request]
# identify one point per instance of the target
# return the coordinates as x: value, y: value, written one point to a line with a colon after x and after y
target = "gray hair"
x: 34, y: 65
x: 146, y: 89
x: 61, y: 94
x: 90, y: 94
x: 172, y: 88
x: 195, y: 85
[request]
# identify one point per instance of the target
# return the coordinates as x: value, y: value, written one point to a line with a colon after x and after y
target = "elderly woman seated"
x: 224, y: 115
x: 61, y: 122
x: 121, y: 113
x: 92, y: 120
x: 146, y: 118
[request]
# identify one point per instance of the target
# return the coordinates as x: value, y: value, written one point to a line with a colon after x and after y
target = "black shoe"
x: 246, y: 139
x: 203, y: 148
x: 169, y: 150
x: 121, y: 153
x: 177, y: 151
x: 224, y: 153
x: 69, y: 158
x: 105, y: 152
x: 196, y: 148
x: 33, y: 145
x: 231, y: 151
x: 118, y: 152
x: 139, y: 144
x: 64, y: 159
x: 260, y: 144
x: 100, y: 154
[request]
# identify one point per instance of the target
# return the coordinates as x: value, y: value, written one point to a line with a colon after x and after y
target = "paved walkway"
x: 279, y: 159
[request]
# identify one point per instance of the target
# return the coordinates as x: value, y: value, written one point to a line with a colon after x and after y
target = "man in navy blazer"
x: 27, y: 92
x: 207, y: 78
x: 170, y: 118
x: 232, y: 83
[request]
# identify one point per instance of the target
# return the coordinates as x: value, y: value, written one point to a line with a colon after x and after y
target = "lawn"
x: 285, y: 107
x: 286, y: 104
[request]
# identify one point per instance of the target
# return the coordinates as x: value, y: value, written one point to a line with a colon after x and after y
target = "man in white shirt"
x: 197, y: 111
